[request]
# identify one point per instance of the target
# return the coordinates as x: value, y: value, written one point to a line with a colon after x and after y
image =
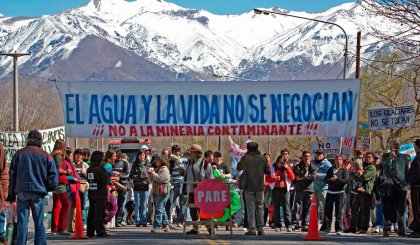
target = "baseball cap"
x: 79, y: 151
x: 144, y: 148
x: 196, y: 147
x: 217, y: 154
x: 319, y: 151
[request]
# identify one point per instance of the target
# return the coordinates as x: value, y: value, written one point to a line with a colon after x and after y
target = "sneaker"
x: 289, y: 229
x: 272, y: 225
x: 261, y: 233
x: 235, y: 225
x: 386, y: 234
x: 123, y: 223
x: 277, y: 229
x: 166, y: 228
x: 393, y: 228
x: 375, y: 230
x: 155, y: 230
x: 339, y: 233
x: 250, y: 233
x: 179, y: 224
x: 118, y: 224
x: 192, y: 232
x: 304, y: 228
x: 172, y: 227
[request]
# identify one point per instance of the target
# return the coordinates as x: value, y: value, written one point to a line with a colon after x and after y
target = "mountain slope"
x: 182, y: 43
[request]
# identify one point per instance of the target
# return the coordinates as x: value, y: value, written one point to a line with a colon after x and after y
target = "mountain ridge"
x: 189, y: 44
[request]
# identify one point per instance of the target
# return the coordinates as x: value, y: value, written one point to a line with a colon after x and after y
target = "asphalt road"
x: 135, y: 235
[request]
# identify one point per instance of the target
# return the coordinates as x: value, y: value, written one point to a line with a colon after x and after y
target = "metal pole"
x: 15, y: 95
x: 267, y: 12
x: 15, y: 87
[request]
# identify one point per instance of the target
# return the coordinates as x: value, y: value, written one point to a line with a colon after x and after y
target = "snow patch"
x: 119, y: 64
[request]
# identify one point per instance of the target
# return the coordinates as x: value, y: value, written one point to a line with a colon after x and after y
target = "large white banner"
x: 398, y: 117
x: 140, y: 109
x: 13, y: 141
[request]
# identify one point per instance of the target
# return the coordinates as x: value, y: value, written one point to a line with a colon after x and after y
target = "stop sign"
x: 212, y: 196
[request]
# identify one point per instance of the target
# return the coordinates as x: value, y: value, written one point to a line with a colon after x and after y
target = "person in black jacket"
x: 140, y: 187
x: 414, y: 182
x: 304, y: 173
x: 98, y: 179
x: 337, y: 177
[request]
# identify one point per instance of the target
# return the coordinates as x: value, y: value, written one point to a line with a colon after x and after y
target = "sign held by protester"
x: 331, y: 148
x: 397, y: 117
x: 118, y: 109
x: 212, y: 196
x: 14, y: 141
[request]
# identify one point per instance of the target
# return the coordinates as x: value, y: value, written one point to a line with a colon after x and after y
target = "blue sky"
x: 41, y: 7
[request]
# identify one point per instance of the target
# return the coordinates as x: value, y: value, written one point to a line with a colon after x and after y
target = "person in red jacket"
x: 280, y: 180
x: 4, y: 186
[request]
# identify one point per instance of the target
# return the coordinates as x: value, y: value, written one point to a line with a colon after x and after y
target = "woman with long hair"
x: 280, y: 180
x: 60, y: 197
x: 138, y: 174
x: 161, y: 182
x: 110, y: 157
x: 337, y: 177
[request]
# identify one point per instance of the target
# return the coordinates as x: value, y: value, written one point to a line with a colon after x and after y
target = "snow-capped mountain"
x: 158, y: 40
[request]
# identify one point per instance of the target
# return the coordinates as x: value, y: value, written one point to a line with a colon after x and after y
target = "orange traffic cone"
x: 79, y: 233
x: 313, y: 224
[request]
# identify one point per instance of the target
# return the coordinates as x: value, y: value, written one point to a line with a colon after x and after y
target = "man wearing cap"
x: 32, y: 174
x: 196, y: 170
x: 414, y: 182
x: 224, y: 170
x: 322, y: 165
x: 254, y: 166
x: 394, y: 188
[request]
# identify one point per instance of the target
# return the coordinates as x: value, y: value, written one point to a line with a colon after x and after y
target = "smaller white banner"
x: 331, y: 148
x: 397, y: 117
x: 14, y: 141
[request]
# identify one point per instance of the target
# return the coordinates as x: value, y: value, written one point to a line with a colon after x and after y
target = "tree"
x: 387, y: 83
x: 405, y: 36
x: 39, y: 105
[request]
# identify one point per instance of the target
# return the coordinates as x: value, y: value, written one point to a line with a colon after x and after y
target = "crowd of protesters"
x: 371, y: 193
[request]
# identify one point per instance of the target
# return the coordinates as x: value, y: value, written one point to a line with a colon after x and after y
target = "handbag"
x: 84, y: 186
x: 161, y: 189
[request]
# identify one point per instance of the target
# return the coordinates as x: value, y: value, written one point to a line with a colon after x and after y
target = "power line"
x: 386, y: 39
x: 330, y: 69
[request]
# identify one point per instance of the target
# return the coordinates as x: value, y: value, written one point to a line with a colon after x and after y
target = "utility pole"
x: 358, y: 47
x: 15, y: 87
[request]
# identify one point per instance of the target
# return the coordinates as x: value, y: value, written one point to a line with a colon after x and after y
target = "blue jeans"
x: 161, y: 218
x: 2, y: 220
x: 379, y: 215
x: 83, y: 199
x: 141, y: 199
x: 180, y: 204
x: 35, y: 202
